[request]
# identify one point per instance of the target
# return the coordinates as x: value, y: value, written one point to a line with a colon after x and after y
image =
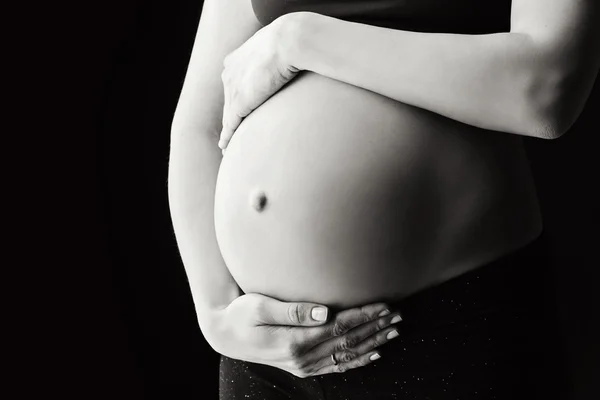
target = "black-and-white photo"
x: 344, y: 200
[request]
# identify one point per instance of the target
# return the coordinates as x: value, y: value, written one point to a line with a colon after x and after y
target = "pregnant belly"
x: 334, y: 194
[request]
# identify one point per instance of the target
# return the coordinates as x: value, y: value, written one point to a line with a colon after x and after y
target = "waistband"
x: 519, y: 282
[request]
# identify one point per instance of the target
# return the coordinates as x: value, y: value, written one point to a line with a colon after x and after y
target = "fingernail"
x: 374, y: 357
x: 384, y: 313
x: 392, y: 334
x: 319, y: 314
x: 396, y: 318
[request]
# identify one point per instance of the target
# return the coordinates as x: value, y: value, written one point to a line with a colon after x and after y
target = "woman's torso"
x: 366, y: 198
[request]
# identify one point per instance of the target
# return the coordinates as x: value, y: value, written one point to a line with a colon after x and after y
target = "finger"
x: 368, y: 345
x: 341, y: 323
x: 225, y: 131
x: 231, y: 121
x: 234, y: 120
x: 275, y: 312
x: 225, y: 137
x: 357, y: 341
x: 342, y: 367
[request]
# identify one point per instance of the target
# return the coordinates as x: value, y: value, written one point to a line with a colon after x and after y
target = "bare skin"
x: 335, y: 194
x: 196, y: 128
x: 280, y: 334
x: 376, y: 196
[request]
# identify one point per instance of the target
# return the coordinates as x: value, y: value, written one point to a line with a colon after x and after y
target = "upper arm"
x: 565, y: 35
x: 224, y: 26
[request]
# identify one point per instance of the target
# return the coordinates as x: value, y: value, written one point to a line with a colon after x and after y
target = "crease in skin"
x: 258, y: 200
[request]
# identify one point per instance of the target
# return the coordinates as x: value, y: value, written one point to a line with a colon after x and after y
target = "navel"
x: 258, y: 200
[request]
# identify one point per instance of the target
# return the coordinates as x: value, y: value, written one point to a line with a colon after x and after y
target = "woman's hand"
x: 287, y: 336
x: 254, y: 72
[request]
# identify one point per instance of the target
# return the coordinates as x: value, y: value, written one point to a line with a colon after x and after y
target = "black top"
x: 449, y: 16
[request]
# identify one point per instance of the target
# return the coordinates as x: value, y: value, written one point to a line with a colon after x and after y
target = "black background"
x: 135, y: 334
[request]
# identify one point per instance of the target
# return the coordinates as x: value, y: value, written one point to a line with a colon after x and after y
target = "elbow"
x: 213, y: 331
x: 552, y: 102
x: 550, y: 119
x: 548, y: 125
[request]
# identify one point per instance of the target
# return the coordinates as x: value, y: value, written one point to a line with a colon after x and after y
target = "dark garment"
x: 491, y: 333
x: 456, y: 16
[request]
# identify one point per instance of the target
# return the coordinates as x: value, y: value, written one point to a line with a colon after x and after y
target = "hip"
x: 489, y: 333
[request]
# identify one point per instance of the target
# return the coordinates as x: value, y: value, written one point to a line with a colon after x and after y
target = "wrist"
x: 294, y: 32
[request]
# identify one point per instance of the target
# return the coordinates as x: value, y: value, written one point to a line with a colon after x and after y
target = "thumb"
x: 275, y: 312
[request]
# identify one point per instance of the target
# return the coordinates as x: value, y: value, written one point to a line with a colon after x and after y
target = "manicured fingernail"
x: 384, y: 313
x: 396, y: 318
x: 392, y: 334
x: 374, y: 357
x: 319, y: 314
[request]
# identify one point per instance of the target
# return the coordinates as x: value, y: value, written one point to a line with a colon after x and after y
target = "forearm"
x: 193, y: 168
x: 495, y: 81
x: 195, y: 157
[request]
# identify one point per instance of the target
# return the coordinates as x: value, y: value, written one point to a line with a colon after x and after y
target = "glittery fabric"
x: 491, y: 333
